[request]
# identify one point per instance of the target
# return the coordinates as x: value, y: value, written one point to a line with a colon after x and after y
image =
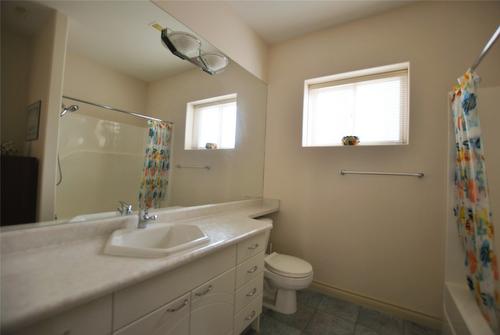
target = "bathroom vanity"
x: 214, y: 288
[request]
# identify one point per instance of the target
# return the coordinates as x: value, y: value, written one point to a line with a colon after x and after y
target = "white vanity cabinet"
x: 172, y: 319
x: 224, y: 288
x: 218, y: 294
x: 249, y: 281
x: 91, y: 318
x: 212, y: 306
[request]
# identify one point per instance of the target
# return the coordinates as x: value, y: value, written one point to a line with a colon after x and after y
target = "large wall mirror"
x: 71, y: 70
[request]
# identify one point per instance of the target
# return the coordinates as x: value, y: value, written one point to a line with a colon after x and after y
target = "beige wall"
x: 16, y: 62
x: 46, y: 74
x: 89, y: 80
x: 378, y: 237
x: 234, y: 174
x: 216, y: 22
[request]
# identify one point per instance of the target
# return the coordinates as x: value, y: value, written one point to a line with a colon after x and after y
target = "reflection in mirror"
x: 90, y: 153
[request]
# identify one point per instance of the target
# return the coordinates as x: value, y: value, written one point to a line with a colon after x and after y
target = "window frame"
x: 354, y: 77
x: 189, y: 139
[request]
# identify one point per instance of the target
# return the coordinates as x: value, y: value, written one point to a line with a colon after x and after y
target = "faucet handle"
x: 125, y: 208
x: 146, y: 217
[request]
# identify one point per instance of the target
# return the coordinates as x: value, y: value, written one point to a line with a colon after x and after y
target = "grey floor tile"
x: 309, y: 298
x: 362, y: 330
x: 270, y: 326
x: 379, y: 322
x: 298, y: 320
x: 339, y: 308
x: 411, y: 328
x: 328, y: 324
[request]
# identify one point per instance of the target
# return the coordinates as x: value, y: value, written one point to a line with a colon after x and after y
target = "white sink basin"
x: 156, y: 240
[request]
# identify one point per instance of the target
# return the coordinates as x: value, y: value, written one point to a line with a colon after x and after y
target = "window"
x: 371, y: 104
x: 211, y: 123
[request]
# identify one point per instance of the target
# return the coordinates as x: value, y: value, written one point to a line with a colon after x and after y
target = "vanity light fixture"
x: 188, y: 47
x: 214, y: 62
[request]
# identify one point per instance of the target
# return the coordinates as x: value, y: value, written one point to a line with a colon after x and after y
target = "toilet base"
x: 285, y: 302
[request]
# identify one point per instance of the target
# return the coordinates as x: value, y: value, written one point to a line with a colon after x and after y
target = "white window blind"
x: 373, y: 107
x: 212, y: 121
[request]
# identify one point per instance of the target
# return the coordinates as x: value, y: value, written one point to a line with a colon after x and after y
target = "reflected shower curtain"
x: 154, y: 179
x: 471, y: 206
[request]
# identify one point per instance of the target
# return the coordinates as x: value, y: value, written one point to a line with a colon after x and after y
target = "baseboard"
x: 401, y: 312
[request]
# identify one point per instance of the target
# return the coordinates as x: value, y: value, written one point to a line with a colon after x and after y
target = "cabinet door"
x: 212, y: 306
x: 92, y: 318
x: 171, y: 319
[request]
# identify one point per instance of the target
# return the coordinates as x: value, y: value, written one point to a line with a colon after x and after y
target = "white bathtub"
x: 461, y: 312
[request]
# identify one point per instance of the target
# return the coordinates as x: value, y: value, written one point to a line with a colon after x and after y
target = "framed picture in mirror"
x: 33, y: 120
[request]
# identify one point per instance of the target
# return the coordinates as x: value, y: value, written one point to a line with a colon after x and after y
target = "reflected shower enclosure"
x: 101, y: 162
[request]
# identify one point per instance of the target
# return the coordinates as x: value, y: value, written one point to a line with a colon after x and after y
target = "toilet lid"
x: 288, y: 265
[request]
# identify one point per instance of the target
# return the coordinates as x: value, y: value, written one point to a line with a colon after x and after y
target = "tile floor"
x: 318, y: 314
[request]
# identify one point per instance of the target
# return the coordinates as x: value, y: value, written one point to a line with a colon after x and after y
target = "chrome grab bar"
x: 406, y: 174
x: 206, y: 167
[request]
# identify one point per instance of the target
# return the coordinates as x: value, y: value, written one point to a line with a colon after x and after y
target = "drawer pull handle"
x: 252, y: 293
x: 175, y: 309
x: 253, y: 247
x: 251, y: 316
x: 199, y: 294
x: 253, y: 269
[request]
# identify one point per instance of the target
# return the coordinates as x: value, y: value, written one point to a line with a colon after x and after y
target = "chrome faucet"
x: 125, y: 208
x: 144, y: 218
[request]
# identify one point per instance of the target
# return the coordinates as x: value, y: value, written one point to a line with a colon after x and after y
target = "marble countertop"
x: 47, y: 270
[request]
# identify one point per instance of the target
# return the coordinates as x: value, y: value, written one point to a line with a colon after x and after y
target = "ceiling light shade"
x: 214, y: 62
x: 186, y: 45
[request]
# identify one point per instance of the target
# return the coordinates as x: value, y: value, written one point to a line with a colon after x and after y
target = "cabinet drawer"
x: 91, y: 318
x: 248, y: 292
x: 247, y: 315
x: 252, y: 246
x: 171, y: 319
x: 134, y: 302
x: 212, y: 306
x: 249, y: 270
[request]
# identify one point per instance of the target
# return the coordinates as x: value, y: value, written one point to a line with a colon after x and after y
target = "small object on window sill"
x: 350, y: 140
x: 211, y: 146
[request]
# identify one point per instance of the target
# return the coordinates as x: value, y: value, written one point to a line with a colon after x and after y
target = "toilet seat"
x: 288, y: 266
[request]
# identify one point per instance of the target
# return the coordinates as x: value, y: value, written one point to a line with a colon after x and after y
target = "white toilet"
x: 283, y: 276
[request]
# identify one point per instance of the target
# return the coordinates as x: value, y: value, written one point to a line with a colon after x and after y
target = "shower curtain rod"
x: 117, y: 110
x: 486, y: 48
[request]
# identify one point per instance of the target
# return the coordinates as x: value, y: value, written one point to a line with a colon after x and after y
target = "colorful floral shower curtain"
x: 471, y: 208
x: 154, y: 179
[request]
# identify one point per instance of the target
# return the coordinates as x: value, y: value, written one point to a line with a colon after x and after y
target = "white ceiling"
x: 117, y: 34
x: 279, y: 20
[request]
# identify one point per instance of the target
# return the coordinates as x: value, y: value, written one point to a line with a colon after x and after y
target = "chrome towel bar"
x: 206, y: 167
x: 406, y: 174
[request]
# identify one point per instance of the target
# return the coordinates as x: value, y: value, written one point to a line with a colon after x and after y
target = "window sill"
x: 203, y: 149
x: 357, y: 145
